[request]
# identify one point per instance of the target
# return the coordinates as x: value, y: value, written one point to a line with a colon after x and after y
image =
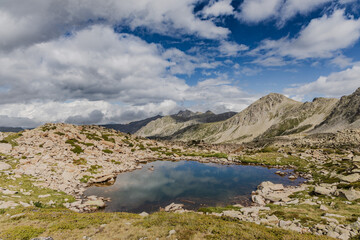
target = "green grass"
x: 80, y: 161
x: 107, y: 151
x: 217, y: 209
x: 76, y: 148
x: 94, y: 169
x: 106, y: 137
x: 21, y: 233
x: 59, y: 133
x: 11, y: 139
x: 85, y: 178
x: 64, y: 224
x: 47, y: 127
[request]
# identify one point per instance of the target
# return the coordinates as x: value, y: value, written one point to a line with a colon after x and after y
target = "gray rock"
x: 232, y: 214
x: 323, y: 208
x: 325, y: 190
x: 174, y: 207
x: 144, y: 214
x: 17, y: 216
x: 350, y: 178
x: 97, y: 203
x: 350, y: 195
x: 258, y: 200
x: 5, y: 148
x: 4, y: 166
x: 43, y: 238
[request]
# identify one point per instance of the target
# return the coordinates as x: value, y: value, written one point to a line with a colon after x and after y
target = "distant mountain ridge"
x: 346, y: 114
x: 11, y: 129
x: 270, y: 116
x: 131, y: 127
x: 169, y: 125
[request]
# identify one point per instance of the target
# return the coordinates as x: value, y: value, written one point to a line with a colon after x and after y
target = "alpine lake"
x: 191, y: 183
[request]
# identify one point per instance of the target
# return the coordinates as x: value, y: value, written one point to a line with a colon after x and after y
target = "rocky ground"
x: 50, y: 167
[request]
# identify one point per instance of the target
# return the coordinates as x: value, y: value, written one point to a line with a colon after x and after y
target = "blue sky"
x: 97, y: 62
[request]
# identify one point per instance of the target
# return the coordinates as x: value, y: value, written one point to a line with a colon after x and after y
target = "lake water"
x: 192, y: 183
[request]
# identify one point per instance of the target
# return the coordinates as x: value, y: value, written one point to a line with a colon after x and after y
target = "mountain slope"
x: 272, y: 115
x: 131, y: 127
x: 169, y: 125
x: 244, y: 126
x: 346, y: 114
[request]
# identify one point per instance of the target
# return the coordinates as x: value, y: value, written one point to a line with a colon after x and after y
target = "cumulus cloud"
x: 6, y: 121
x: 219, y: 95
x: 95, y: 116
x: 335, y: 85
x: 80, y: 112
x: 95, y: 64
x: 228, y: 48
x: 255, y: 11
x: 218, y: 8
x: 321, y: 38
x: 23, y: 23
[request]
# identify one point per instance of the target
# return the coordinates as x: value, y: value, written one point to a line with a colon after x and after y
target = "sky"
x: 116, y: 61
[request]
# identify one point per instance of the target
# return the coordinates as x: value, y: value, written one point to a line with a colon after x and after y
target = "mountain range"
x: 270, y: 116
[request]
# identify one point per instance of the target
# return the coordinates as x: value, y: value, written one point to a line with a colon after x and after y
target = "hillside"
x: 345, y: 115
x: 170, y: 125
x: 131, y: 127
x: 272, y: 115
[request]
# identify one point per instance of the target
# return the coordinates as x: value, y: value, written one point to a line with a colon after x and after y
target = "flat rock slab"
x: 5, y: 148
x: 350, y: 195
x: 351, y: 178
x: 4, y: 166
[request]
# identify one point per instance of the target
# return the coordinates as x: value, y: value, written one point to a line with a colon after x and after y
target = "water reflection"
x: 191, y: 183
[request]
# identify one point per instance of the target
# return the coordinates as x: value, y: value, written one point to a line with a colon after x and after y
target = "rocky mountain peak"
x: 184, y: 113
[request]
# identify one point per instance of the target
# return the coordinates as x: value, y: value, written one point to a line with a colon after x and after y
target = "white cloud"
x: 321, y: 38
x: 293, y: 7
x: 99, y: 76
x: 342, y: 61
x: 218, y: 8
x: 219, y: 95
x: 80, y: 112
x: 23, y: 23
x: 255, y: 11
x: 231, y: 48
x: 335, y: 85
x: 93, y: 64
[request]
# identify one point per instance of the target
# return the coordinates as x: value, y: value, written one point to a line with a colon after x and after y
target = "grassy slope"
x: 63, y: 224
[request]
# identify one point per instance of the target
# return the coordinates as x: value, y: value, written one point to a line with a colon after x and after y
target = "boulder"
x: 5, y: 148
x: 97, y: 203
x: 269, y: 186
x: 350, y: 178
x: 258, y: 200
x: 232, y: 213
x: 4, y: 166
x: 102, y: 178
x: 174, y: 207
x: 10, y: 204
x: 350, y: 195
x: 327, y: 191
x: 144, y: 214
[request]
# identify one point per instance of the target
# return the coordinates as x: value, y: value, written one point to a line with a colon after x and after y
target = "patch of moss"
x: 22, y: 233
x: 94, y: 169
x: 11, y: 139
x: 80, y: 161
x: 46, y: 128
x: 108, y: 151
x: 59, y: 133
x: 85, y: 179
